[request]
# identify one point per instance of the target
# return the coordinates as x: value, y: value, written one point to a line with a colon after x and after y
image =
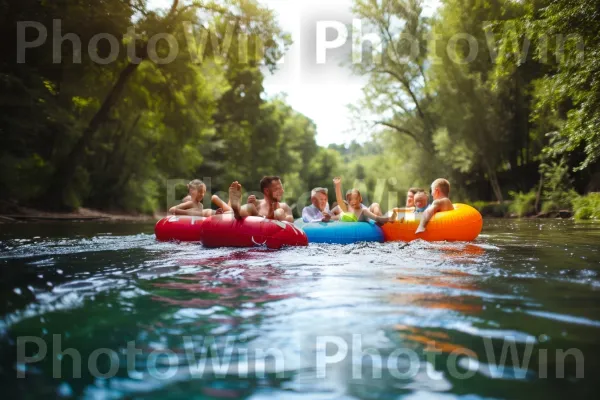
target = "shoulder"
x: 443, y: 204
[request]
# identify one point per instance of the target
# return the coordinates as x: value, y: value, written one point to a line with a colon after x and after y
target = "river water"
x: 104, y: 311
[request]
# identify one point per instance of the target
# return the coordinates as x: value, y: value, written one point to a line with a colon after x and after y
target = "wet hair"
x: 443, y: 185
x: 266, y: 181
x: 414, y: 190
x: 196, y: 184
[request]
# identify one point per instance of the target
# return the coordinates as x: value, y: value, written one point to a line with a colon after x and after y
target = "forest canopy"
x: 114, y: 123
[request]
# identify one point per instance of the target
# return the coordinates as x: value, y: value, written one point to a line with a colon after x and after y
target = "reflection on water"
x: 368, y: 320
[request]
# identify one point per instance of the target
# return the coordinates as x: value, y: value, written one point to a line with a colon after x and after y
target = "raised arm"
x: 337, y: 182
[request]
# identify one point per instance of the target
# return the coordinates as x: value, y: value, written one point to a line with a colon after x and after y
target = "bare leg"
x: 221, y: 204
x: 376, y: 209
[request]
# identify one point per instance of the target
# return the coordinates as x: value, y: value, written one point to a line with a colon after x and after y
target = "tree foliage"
x: 111, y: 135
x: 499, y: 97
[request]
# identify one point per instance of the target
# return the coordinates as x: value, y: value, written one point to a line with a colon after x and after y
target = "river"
x: 102, y: 310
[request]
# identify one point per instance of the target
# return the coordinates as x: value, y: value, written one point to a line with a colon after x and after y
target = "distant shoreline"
x: 24, y: 215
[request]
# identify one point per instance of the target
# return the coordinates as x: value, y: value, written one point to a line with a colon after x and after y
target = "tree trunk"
x: 65, y: 172
x: 539, y: 195
x: 493, y: 177
x: 62, y: 179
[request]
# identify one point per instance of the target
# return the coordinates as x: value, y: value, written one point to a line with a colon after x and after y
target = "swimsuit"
x: 348, y: 217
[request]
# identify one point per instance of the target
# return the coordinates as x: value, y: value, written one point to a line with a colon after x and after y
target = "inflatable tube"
x: 464, y: 223
x: 179, y: 227
x: 226, y: 231
x: 341, y: 232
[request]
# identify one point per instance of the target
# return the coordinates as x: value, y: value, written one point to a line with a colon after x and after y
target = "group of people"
x: 349, y: 208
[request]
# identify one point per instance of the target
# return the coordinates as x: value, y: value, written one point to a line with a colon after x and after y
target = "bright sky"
x: 321, y: 92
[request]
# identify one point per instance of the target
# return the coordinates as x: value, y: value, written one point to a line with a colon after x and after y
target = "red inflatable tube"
x: 181, y: 227
x: 226, y: 231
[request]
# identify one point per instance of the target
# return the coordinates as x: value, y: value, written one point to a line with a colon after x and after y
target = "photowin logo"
x: 229, y: 356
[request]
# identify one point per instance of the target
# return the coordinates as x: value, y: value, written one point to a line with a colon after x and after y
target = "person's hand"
x: 279, y: 214
x: 326, y: 216
x: 337, y: 181
x: 252, y: 199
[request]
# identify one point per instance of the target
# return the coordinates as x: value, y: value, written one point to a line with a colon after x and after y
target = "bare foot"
x: 420, y: 229
x: 235, y: 197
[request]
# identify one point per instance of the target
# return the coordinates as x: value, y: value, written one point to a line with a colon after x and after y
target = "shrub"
x: 557, y: 193
x: 492, y: 209
x: 479, y: 204
x: 587, y: 207
x: 523, y: 203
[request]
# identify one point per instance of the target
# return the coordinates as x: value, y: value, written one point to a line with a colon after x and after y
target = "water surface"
x: 362, y: 321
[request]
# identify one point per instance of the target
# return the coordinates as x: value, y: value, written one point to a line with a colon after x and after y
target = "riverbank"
x: 503, y: 210
x: 18, y: 214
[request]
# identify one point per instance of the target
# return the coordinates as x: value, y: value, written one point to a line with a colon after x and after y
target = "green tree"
x: 567, y: 96
x: 397, y: 79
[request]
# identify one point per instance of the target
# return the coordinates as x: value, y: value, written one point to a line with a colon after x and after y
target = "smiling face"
x: 421, y: 200
x: 197, y: 193
x: 275, y: 190
x: 354, y: 199
x: 319, y: 200
x: 410, y: 199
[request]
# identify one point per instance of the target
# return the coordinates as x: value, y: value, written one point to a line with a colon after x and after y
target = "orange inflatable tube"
x: 464, y: 223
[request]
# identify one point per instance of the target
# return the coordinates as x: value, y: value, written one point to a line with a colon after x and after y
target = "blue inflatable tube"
x: 341, y: 232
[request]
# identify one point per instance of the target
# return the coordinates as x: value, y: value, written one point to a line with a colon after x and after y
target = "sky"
x: 323, y: 91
